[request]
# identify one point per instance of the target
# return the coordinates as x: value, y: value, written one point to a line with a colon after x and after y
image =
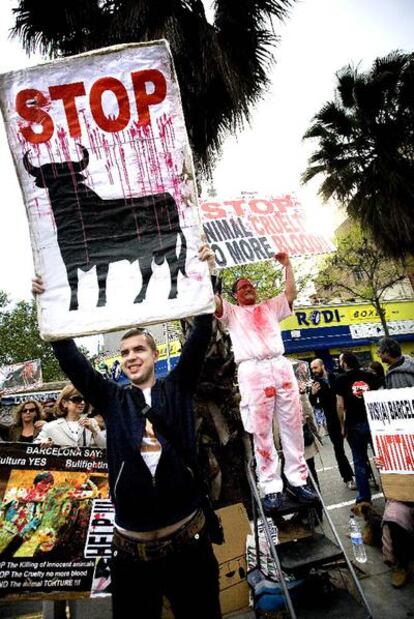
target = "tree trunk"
x: 381, y: 313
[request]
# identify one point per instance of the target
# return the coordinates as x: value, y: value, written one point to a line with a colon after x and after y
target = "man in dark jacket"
x: 400, y: 371
x: 322, y: 395
x: 350, y: 388
x: 161, y: 545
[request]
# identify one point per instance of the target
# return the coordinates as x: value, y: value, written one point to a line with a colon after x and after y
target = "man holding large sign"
x: 101, y: 151
x: 162, y: 541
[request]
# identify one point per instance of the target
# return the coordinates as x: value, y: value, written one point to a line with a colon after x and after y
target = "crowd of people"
x: 163, y: 525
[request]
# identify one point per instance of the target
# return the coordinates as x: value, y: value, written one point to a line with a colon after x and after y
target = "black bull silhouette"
x: 96, y: 232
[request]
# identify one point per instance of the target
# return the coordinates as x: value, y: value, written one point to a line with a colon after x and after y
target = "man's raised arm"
x: 290, y: 284
x: 192, y: 356
x: 90, y: 383
x: 76, y: 367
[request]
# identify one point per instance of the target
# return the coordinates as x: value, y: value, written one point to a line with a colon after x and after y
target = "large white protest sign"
x: 244, y: 231
x: 391, y: 418
x: 102, y: 155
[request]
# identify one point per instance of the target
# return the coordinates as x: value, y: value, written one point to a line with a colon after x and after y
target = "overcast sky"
x: 319, y: 38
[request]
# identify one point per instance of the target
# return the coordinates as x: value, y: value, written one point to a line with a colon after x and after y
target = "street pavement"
x: 385, y: 601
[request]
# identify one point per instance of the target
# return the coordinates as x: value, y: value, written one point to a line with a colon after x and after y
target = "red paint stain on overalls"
x: 270, y: 392
x: 265, y: 453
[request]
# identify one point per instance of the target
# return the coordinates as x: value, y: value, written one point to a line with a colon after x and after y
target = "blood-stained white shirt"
x: 254, y: 329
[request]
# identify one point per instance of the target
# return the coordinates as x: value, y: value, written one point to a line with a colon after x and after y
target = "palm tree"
x: 366, y: 149
x: 222, y: 67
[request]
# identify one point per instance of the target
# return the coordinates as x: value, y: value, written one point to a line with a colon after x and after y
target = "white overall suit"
x: 267, y: 386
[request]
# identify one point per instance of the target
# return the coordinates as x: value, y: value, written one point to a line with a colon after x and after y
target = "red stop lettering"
x: 68, y: 93
x: 144, y: 99
x: 95, y: 100
x: 28, y: 105
x: 263, y: 207
x: 212, y: 210
x: 237, y: 206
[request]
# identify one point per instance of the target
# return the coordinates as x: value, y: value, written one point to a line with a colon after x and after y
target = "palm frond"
x: 222, y: 68
x: 365, y: 150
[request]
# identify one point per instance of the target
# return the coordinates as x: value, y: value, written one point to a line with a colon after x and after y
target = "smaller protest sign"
x: 47, y: 498
x: 20, y: 376
x: 101, y: 528
x: 391, y: 418
x: 244, y: 231
x: 49, y: 395
x: 267, y: 564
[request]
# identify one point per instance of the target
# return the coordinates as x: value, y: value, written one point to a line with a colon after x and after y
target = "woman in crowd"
x: 377, y: 368
x: 28, y: 422
x: 310, y: 429
x: 72, y: 428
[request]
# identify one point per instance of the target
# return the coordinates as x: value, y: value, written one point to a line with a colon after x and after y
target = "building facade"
x: 326, y: 330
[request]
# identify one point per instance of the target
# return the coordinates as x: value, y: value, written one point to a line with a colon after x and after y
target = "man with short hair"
x: 268, y: 385
x: 323, y: 395
x: 161, y: 545
x: 400, y: 371
x: 350, y: 388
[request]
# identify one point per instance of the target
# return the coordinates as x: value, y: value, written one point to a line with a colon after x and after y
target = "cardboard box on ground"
x: 234, y: 590
x: 399, y: 487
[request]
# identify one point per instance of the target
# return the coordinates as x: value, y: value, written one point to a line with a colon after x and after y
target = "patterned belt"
x: 160, y: 548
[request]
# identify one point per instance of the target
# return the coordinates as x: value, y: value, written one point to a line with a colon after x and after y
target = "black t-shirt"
x: 25, y: 439
x: 351, y: 386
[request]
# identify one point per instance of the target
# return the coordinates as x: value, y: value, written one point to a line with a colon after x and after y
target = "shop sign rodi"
x: 398, y: 315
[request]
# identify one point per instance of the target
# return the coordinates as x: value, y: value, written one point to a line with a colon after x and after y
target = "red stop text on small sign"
x: 149, y: 87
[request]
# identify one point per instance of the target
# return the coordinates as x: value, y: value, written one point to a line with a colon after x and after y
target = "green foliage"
x: 20, y: 339
x: 365, y: 150
x: 268, y: 277
x: 222, y: 67
x: 359, y: 270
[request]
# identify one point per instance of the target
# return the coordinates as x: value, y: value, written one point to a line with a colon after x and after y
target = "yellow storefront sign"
x: 175, y: 349
x: 342, y: 315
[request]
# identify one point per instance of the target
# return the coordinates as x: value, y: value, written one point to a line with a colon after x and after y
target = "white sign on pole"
x: 102, y: 155
x: 391, y: 418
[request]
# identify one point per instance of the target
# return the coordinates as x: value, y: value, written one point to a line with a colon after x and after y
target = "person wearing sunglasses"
x: 72, y: 428
x: 268, y: 386
x: 28, y: 422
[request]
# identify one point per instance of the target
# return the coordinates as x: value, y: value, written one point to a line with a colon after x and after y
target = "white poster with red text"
x: 391, y: 419
x: 102, y: 155
x: 244, y: 231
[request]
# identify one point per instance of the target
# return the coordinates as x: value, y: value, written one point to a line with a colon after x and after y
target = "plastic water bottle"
x: 356, y: 539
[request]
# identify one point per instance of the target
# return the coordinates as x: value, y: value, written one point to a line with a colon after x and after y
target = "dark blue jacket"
x: 144, y: 503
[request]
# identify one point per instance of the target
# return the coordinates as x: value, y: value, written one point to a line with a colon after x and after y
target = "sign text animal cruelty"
x: 244, y: 231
